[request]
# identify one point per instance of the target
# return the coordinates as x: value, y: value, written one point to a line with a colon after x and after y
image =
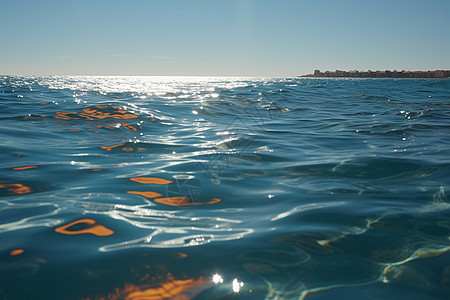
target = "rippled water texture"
x: 224, y: 188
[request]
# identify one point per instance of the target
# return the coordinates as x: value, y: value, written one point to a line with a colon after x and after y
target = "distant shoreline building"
x: 381, y: 74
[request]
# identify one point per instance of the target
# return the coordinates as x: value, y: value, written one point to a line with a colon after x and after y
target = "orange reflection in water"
x: 97, y: 112
x: 150, y: 180
x: 168, y: 290
x: 107, y: 126
x: 16, y: 188
x: 96, y: 170
x: 172, y: 201
x: 129, y: 127
x: 183, y: 201
x: 145, y: 194
x: 74, y: 130
x: 34, y: 116
x: 126, y: 149
x: 109, y: 148
x: 98, y: 230
x: 180, y: 289
x: 214, y: 200
x: 16, y: 252
x: 24, y: 168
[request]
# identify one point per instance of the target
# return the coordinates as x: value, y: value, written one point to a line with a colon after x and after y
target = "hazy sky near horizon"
x: 226, y: 37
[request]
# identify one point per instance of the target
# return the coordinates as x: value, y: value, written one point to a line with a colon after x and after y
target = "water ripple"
x: 279, y: 188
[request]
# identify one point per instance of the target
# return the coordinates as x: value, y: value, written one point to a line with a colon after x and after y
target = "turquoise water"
x: 224, y: 188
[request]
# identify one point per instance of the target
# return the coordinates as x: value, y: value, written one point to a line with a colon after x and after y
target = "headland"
x: 381, y: 74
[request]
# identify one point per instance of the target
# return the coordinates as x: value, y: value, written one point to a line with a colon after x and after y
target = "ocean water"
x: 224, y: 188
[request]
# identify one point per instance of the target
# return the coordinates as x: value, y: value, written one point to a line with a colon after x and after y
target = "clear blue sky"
x: 221, y: 37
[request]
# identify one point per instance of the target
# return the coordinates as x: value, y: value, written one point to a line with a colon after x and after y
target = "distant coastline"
x: 381, y: 74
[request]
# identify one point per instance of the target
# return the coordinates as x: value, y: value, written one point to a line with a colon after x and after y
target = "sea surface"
x: 224, y: 188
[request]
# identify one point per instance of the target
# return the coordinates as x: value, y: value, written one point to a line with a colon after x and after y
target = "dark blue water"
x: 224, y: 188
